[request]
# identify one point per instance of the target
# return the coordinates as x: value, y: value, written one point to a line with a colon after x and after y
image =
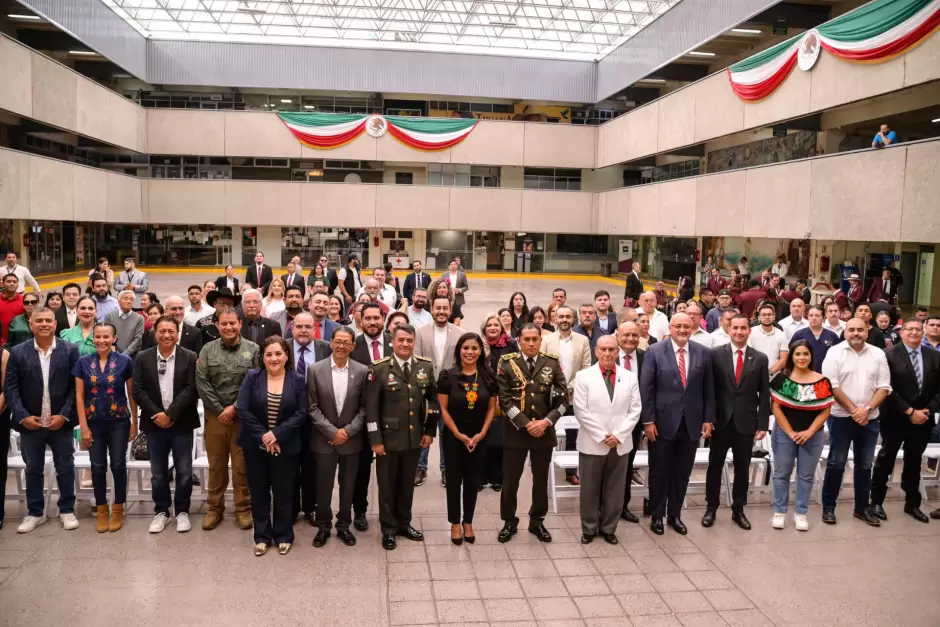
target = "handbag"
x: 139, y: 449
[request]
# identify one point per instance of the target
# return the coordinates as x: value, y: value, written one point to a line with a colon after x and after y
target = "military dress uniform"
x: 397, y: 417
x: 527, y: 392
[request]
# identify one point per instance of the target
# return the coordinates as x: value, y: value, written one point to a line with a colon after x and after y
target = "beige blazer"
x: 424, y: 346
x: 580, y: 352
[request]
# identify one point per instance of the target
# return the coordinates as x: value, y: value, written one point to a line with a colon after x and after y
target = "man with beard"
x: 323, y: 327
x: 293, y: 305
x: 103, y: 299
x: 418, y: 316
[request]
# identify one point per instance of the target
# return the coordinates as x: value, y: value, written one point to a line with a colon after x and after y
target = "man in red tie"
x: 293, y: 277
x: 259, y: 275
x: 323, y: 326
x: 742, y: 415
x: 630, y: 358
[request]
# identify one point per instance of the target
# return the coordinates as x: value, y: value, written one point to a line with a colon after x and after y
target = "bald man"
x: 659, y: 325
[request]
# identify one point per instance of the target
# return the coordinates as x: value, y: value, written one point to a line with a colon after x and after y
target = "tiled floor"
x: 848, y: 574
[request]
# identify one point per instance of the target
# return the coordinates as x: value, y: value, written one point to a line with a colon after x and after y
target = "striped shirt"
x: 274, y: 405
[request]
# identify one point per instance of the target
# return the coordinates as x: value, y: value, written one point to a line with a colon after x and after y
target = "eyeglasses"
x: 342, y: 342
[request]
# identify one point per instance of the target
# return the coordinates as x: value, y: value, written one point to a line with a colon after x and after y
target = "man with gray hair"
x: 255, y: 327
x: 129, y: 325
x: 189, y: 336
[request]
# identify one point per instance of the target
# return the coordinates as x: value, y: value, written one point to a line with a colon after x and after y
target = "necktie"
x: 682, y: 365
x: 407, y: 370
x: 915, y: 362
x: 531, y: 362
x: 302, y: 362
x: 626, y: 362
x: 609, y: 382
x: 739, y: 366
x: 290, y: 279
x: 316, y: 330
x: 375, y: 351
x: 259, y: 276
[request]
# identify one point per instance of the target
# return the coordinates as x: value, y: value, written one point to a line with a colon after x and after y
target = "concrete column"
x: 419, y: 245
x: 236, y: 257
x: 269, y: 242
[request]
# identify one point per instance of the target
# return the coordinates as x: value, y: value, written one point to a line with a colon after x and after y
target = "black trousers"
x: 637, y: 435
x: 348, y: 465
x: 463, y: 477
x: 513, y: 465
x: 363, y: 475
x: 269, y: 474
x: 305, y: 492
x: 491, y: 471
x: 671, y: 464
x: 723, y: 439
x: 915, y: 439
x: 395, y: 472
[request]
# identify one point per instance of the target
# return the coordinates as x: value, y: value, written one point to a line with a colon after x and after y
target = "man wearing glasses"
x: 19, y: 330
x: 11, y: 304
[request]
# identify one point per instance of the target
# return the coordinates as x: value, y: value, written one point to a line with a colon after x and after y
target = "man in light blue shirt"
x: 105, y: 302
x: 932, y: 333
x: 885, y: 137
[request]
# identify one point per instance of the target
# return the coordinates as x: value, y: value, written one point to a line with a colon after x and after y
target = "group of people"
x: 308, y: 396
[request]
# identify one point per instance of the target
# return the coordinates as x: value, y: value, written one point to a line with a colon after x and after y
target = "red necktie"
x: 290, y: 279
x: 626, y: 362
x: 739, y: 366
x: 259, y: 276
x: 316, y: 332
x: 682, y: 366
x: 375, y: 350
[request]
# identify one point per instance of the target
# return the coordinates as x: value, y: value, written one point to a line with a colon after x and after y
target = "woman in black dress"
x: 519, y: 310
x: 498, y: 343
x: 467, y: 394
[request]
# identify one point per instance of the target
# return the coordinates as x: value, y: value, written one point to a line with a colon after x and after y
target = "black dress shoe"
x: 196, y: 481
x: 587, y: 538
x: 496, y: 487
x: 677, y: 525
x: 935, y: 514
x: 646, y: 507
x: 610, y: 538
x: 866, y: 517
x: 361, y: 523
x: 321, y: 538
x: 879, y: 512
x: 411, y: 533
x: 741, y: 520
x: 829, y: 515
x: 388, y: 541
x: 709, y: 518
x: 629, y: 516
x: 656, y: 526
x: 913, y: 512
x: 540, y: 532
x: 347, y: 537
x: 311, y: 520
x: 507, y: 532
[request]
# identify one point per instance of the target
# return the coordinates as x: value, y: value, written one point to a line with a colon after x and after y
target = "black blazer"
x: 62, y: 320
x: 222, y: 281
x: 634, y: 287
x: 411, y: 283
x: 362, y: 352
x: 253, y: 411
x: 745, y: 404
x: 23, y: 386
x: 182, y: 410
x: 267, y: 275
x: 271, y: 328
x: 190, y: 340
x: 299, y: 281
x: 904, y: 391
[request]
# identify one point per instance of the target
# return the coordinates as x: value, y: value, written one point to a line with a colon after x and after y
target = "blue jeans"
x: 62, y: 444
x: 109, y: 439
x: 160, y: 444
x: 806, y: 457
x: 423, y: 460
x: 843, y: 433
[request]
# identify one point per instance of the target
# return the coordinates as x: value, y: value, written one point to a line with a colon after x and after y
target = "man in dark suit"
x: 190, y: 337
x: 42, y: 408
x: 337, y: 387
x: 418, y: 278
x: 259, y: 275
x: 631, y: 358
x: 678, y: 393
x: 884, y: 288
x: 256, y: 327
x: 634, y: 286
x: 457, y: 279
x: 292, y: 277
x: 907, y: 418
x: 165, y: 391
x: 66, y: 316
x: 742, y: 402
x: 227, y: 280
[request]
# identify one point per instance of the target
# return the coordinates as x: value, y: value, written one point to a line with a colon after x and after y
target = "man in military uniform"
x: 533, y: 396
x: 399, y: 426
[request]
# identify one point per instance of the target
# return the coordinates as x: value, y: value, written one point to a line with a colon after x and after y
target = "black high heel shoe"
x: 456, y: 541
x: 469, y: 539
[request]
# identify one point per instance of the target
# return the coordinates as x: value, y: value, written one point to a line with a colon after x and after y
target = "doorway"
x: 908, y: 278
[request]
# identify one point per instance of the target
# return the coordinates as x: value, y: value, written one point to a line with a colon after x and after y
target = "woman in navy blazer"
x: 272, y: 407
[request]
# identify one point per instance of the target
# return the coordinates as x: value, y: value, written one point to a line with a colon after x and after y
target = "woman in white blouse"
x: 274, y: 301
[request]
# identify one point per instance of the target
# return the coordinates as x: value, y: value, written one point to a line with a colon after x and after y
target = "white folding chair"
x: 17, y: 466
x: 82, y: 460
x: 932, y: 452
x: 565, y: 460
x: 698, y: 487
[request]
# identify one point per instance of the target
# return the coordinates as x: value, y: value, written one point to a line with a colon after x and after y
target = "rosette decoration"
x: 873, y: 33
x: 330, y: 130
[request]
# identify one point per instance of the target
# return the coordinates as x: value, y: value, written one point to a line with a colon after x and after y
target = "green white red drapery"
x: 872, y: 33
x: 328, y: 130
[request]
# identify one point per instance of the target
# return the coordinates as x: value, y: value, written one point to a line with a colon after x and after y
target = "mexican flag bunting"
x: 328, y: 130
x: 872, y: 33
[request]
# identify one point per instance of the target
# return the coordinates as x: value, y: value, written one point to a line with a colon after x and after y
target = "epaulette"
x: 420, y: 358
x: 508, y: 356
x: 382, y: 361
x: 552, y: 355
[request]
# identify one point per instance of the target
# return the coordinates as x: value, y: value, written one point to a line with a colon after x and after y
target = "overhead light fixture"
x: 746, y: 31
x: 309, y: 107
x: 696, y: 53
x: 652, y: 80
x: 314, y: 172
x: 84, y: 53
x: 17, y: 16
x: 937, y: 121
x: 286, y: 100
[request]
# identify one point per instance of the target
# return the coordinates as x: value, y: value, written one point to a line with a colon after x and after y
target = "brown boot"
x: 243, y: 520
x: 117, y: 517
x: 103, y: 514
x: 211, y: 520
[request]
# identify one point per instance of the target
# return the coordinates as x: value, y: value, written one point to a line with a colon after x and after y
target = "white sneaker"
x: 30, y: 522
x: 159, y: 523
x: 779, y: 521
x: 800, y: 522
x: 69, y: 521
x: 182, y: 522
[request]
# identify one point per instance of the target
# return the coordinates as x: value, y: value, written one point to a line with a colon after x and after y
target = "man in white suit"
x: 437, y: 342
x: 607, y: 406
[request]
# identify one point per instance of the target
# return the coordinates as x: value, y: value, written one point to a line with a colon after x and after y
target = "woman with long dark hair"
x: 467, y: 394
x: 538, y: 317
x: 519, y: 310
x: 336, y: 310
x: 497, y: 344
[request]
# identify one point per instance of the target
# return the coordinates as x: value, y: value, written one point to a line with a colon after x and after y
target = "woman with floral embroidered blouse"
x: 107, y: 413
x: 802, y: 399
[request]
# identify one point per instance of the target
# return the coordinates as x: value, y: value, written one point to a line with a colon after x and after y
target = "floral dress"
x: 105, y: 391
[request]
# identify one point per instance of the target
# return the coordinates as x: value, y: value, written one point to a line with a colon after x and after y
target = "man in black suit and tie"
x: 189, y: 336
x: 678, y: 393
x: 907, y: 418
x: 255, y: 327
x: 66, y: 316
x: 228, y: 280
x: 337, y: 387
x: 742, y: 401
x: 631, y: 358
x: 418, y: 278
x: 372, y: 345
x: 165, y: 390
x: 634, y: 285
x: 259, y: 275
x: 293, y: 277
